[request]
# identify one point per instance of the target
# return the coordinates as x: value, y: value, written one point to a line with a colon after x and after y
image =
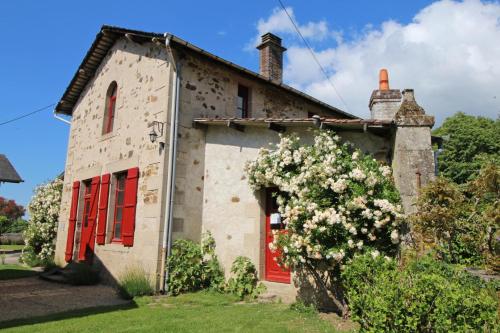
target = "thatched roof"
x: 7, y: 172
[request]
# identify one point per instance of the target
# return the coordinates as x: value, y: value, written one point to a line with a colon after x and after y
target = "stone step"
x: 278, y: 292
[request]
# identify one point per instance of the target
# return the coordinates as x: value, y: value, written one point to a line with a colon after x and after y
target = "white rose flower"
x: 394, y: 237
x: 353, y: 231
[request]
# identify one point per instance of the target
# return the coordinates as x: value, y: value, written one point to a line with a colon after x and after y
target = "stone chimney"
x: 413, y: 157
x: 384, y: 102
x: 271, y: 57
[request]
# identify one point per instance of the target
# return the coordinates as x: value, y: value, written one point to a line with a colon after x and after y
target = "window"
x: 86, y: 204
x: 109, y: 112
x: 119, y: 197
x: 242, y: 102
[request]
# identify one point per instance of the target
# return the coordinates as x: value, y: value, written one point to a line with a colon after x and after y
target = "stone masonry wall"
x: 232, y: 211
x: 143, y: 78
x: 209, y: 89
x: 413, y: 163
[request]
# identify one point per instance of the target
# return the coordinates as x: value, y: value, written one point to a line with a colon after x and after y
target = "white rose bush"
x: 335, y: 202
x: 42, y: 227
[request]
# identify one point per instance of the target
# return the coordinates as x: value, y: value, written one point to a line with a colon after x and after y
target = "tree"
x: 10, y: 209
x: 335, y: 203
x: 10, y: 216
x: 469, y: 143
x: 462, y: 222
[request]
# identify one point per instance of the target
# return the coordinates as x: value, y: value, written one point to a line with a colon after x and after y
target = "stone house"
x: 161, y: 130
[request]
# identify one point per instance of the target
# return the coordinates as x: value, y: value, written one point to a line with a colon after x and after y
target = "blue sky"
x: 43, y: 42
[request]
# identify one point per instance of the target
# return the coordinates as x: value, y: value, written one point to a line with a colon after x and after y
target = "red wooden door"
x: 88, y: 232
x: 273, y: 272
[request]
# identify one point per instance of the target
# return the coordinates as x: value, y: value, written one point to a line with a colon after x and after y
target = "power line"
x: 313, y: 54
x: 27, y: 114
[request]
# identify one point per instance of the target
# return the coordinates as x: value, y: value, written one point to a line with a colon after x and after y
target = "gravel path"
x: 31, y: 297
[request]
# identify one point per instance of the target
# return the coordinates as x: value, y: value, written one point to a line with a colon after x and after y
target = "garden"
x: 385, y: 270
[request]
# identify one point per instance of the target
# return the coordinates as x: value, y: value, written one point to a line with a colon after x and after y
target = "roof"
x: 376, y: 126
x: 7, y: 172
x: 108, y: 35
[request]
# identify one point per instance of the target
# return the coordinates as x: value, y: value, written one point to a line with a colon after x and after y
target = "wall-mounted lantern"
x: 157, y: 131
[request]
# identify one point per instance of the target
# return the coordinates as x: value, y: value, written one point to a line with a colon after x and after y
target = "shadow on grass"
x: 67, y: 315
x: 15, y: 273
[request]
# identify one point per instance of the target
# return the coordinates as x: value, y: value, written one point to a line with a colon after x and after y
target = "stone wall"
x: 144, y: 74
x: 143, y: 78
x: 232, y: 212
x: 413, y: 163
x: 209, y: 89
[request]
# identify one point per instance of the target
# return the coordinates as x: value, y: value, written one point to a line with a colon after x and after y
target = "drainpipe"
x: 60, y: 118
x: 172, y: 157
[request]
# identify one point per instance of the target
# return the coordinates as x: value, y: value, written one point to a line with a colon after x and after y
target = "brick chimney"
x: 384, y: 102
x: 271, y: 57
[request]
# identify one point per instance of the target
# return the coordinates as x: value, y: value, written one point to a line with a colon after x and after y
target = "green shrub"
x: 184, y: 267
x: 244, y: 280
x: 424, y: 296
x: 135, y: 282
x: 17, y: 226
x: 192, y: 266
x: 212, y: 272
x: 460, y: 222
x: 30, y: 258
x: 81, y: 274
x: 301, y: 307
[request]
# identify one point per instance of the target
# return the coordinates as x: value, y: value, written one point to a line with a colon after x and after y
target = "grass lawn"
x: 11, y: 271
x: 11, y: 247
x: 199, y: 312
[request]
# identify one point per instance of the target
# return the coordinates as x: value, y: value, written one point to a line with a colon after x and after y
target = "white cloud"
x: 279, y: 23
x: 449, y: 54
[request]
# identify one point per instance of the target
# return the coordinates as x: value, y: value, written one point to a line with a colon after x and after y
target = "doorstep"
x: 275, y: 291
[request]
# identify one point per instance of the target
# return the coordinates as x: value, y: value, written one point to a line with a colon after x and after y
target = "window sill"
x: 113, y: 248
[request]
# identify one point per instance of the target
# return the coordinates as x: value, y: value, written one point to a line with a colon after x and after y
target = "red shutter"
x: 130, y: 202
x: 103, y: 209
x: 87, y: 236
x: 72, y: 221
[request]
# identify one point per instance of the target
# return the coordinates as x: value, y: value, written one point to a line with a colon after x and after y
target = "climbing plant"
x: 335, y: 203
x: 42, y: 225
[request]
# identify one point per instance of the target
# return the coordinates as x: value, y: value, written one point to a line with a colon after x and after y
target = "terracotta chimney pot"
x: 383, y: 83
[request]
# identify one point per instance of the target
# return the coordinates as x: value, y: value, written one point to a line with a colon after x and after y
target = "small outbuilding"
x: 7, y: 172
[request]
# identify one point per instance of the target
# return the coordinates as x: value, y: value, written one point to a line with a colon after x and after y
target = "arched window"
x: 109, y: 112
